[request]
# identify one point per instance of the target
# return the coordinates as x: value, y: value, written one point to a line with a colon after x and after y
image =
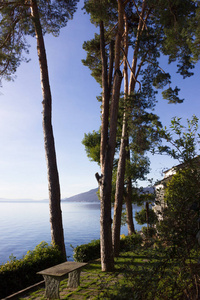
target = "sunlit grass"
x: 134, y: 273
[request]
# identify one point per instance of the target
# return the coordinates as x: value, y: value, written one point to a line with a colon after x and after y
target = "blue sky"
x: 75, y: 112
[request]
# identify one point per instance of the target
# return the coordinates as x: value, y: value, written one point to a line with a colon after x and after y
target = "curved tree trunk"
x: 57, y: 234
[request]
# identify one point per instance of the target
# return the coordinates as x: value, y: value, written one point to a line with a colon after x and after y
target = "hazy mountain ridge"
x: 90, y: 196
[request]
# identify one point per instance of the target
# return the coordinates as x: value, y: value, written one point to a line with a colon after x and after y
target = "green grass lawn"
x: 143, y: 274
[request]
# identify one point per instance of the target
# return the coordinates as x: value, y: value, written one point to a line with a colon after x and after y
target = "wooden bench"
x: 54, y: 275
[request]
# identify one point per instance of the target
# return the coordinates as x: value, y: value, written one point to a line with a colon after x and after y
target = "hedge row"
x: 91, y: 251
x: 19, y: 274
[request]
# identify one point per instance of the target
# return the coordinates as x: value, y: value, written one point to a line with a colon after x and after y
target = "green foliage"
x: 161, y: 80
x: 101, y: 10
x: 93, y: 59
x: 91, y: 142
x: 182, y: 195
x: 141, y: 216
x: 91, y: 251
x: 149, y: 232
x: 130, y: 242
x: 16, y: 274
x: 16, y: 23
x: 87, y: 252
x: 184, y: 140
x: 172, y: 95
x: 151, y: 274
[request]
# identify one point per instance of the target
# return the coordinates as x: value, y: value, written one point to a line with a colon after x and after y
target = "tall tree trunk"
x: 119, y: 191
x: 57, y: 234
x: 108, y: 142
x: 124, y: 142
x: 122, y: 159
x: 107, y: 260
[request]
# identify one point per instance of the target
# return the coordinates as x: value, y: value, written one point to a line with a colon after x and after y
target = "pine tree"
x: 19, y: 18
x: 148, y: 29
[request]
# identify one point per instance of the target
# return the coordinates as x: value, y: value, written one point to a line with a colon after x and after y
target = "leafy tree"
x: 19, y: 18
x: 179, y: 224
x: 144, y: 27
x: 146, y: 216
x: 182, y: 140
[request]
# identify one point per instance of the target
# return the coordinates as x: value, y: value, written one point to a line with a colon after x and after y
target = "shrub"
x: 148, y: 232
x: 19, y: 274
x: 87, y: 252
x: 130, y: 242
x: 91, y: 251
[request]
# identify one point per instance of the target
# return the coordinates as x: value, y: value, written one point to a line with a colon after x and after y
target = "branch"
x: 6, y: 66
x: 10, y: 33
x: 139, y: 14
x: 134, y: 77
x: 3, y: 3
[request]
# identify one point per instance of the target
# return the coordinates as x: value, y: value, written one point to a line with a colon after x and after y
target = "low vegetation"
x: 147, y: 273
x: 91, y: 251
x: 18, y: 274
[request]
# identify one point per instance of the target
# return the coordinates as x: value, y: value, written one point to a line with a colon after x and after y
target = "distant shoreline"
x: 90, y: 196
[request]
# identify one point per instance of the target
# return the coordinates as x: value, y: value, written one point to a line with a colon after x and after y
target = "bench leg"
x: 51, y: 287
x: 74, y: 279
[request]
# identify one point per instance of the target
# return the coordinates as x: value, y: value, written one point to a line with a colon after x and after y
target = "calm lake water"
x: 23, y: 225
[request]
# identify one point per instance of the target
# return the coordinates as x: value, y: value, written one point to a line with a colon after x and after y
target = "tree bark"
x: 128, y: 199
x: 108, y: 142
x: 107, y: 260
x: 122, y: 157
x: 57, y: 234
x: 129, y: 209
x: 119, y: 192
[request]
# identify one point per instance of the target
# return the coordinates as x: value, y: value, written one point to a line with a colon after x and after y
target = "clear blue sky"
x: 75, y: 112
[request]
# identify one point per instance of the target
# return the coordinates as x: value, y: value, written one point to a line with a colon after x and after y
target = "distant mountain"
x: 90, y: 196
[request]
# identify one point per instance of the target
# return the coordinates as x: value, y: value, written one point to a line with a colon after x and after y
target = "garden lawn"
x: 143, y: 274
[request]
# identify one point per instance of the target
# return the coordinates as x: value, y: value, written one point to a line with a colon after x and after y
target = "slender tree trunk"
x: 128, y: 199
x: 129, y: 209
x: 132, y: 83
x: 108, y: 142
x: 122, y: 158
x: 119, y: 192
x: 57, y: 234
x: 124, y: 143
x: 147, y: 215
x: 107, y: 260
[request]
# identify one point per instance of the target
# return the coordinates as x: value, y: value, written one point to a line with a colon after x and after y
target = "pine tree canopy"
x: 16, y: 23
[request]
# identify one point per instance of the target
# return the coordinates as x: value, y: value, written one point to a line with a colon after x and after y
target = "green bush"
x: 148, y: 232
x: 19, y: 274
x: 91, y: 251
x: 87, y: 252
x: 130, y: 242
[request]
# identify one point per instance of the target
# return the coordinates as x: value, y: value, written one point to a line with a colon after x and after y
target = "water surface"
x: 23, y: 225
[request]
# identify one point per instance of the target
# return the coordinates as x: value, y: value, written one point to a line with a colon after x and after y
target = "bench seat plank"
x: 62, y: 269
